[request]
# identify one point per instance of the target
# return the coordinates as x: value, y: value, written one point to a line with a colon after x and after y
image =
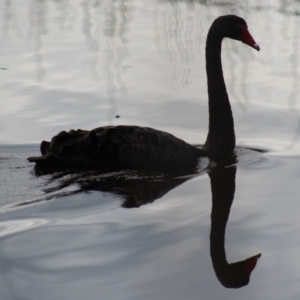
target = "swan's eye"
x: 242, y: 26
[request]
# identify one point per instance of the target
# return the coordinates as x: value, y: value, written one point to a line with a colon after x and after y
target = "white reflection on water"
x: 292, y: 98
x: 19, y: 226
x: 68, y: 64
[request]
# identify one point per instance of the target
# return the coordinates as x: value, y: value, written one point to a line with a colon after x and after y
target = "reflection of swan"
x: 136, y: 187
x: 236, y: 274
x: 132, y: 147
x: 140, y: 188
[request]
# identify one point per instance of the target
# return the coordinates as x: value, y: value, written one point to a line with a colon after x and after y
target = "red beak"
x: 248, y: 39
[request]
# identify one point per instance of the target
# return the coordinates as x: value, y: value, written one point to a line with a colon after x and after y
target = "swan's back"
x: 119, y: 147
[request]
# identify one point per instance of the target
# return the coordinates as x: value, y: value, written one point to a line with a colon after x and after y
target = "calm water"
x: 79, y: 64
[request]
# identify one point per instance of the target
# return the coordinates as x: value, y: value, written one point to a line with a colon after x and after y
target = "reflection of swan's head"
x: 236, y: 275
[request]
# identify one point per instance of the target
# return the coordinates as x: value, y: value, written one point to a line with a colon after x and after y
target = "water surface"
x: 68, y: 64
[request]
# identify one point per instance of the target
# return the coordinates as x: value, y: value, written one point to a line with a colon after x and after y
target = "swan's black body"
x: 140, y: 148
x: 119, y: 148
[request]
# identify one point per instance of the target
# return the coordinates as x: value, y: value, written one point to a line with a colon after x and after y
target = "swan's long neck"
x: 221, y: 138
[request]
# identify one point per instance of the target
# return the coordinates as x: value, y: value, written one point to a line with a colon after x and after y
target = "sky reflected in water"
x: 80, y: 64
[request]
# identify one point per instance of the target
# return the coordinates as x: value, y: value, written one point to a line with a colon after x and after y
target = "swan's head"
x: 236, y: 28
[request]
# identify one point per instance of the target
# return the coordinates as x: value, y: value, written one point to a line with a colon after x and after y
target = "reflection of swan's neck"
x: 222, y: 187
x: 236, y: 274
x: 221, y: 138
x: 219, y: 217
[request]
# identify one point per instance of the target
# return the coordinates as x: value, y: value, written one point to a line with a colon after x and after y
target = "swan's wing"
x: 120, y: 147
x: 150, y: 149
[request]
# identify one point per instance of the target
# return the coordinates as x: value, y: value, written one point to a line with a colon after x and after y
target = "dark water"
x: 128, y: 235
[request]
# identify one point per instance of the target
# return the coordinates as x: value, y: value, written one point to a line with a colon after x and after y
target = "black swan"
x: 142, y: 148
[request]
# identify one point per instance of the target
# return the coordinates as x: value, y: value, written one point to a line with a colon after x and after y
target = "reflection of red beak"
x: 247, y: 38
x: 251, y: 262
